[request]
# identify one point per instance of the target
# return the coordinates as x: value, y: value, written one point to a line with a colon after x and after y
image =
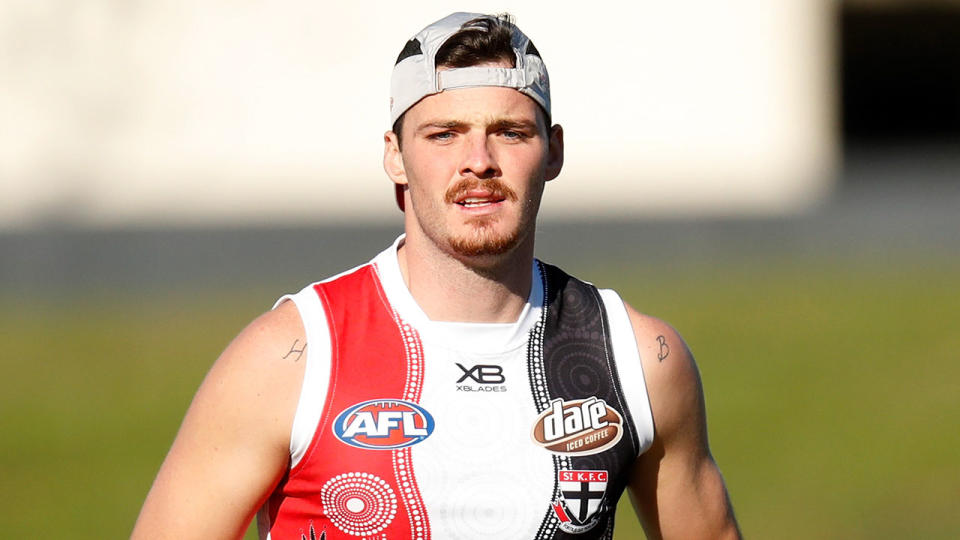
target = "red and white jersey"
x: 419, y: 429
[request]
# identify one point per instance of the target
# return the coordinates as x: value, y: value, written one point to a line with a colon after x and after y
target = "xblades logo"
x: 489, y: 377
x: 483, y: 374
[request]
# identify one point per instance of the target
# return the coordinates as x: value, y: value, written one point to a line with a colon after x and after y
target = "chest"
x: 421, y: 438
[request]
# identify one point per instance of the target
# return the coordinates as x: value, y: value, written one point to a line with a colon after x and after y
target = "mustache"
x: 496, y: 188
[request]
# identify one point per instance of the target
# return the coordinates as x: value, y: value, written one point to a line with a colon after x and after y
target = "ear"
x: 393, y: 159
x: 555, y: 152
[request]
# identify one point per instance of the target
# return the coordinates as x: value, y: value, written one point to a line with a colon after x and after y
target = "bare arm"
x: 676, y: 486
x: 233, y: 446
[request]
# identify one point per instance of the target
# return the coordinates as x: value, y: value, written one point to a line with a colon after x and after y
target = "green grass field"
x: 833, y: 394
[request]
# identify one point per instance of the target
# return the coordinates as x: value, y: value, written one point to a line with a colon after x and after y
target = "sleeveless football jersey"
x: 419, y: 429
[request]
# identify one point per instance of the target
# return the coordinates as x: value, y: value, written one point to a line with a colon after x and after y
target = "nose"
x: 478, y: 159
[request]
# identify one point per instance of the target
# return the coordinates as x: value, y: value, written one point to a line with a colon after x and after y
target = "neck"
x: 450, y: 288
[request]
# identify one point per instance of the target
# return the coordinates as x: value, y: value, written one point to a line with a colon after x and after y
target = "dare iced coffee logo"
x: 578, y: 427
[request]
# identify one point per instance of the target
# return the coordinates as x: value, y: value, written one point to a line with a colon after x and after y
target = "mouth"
x: 479, y: 202
x: 480, y: 198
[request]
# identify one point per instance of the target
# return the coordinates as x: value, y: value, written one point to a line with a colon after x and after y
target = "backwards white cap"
x: 415, y: 75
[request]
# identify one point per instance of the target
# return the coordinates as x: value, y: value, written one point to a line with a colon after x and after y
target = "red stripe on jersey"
x: 346, y: 490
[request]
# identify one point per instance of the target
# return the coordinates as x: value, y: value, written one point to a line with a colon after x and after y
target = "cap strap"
x: 480, y: 76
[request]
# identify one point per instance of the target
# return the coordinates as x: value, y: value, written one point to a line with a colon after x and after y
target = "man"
x: 454, y: 387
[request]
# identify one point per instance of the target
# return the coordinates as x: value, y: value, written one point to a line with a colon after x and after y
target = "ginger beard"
x: 483, y: 238
x: 478, y: 236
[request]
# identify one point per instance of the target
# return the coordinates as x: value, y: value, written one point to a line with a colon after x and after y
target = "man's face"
x: 475, y: 161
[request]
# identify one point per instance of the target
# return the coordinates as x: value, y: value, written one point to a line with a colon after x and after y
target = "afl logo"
x: 578, y: 427
x: 383, y: 424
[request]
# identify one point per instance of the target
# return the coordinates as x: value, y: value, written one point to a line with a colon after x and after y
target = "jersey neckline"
x: 473, y: 337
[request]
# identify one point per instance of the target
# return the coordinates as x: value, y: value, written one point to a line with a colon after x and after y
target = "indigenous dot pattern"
x: 359, y: 503
x: 401, y: 457
x: 541, y: 399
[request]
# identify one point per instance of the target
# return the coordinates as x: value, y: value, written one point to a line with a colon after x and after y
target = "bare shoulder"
x: 271, y: 338
x: 264, y: 367
x: 233, y: 445
x: 670, y: 372
x: 255, y: 383
x: 655, y: 335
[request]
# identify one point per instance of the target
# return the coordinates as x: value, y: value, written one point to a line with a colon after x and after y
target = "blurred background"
x: 779, y: 180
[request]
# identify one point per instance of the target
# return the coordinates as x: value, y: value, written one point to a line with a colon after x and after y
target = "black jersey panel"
x: 575, y: 378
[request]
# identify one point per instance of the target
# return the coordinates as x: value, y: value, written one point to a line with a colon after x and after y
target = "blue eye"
x: 513, y: 135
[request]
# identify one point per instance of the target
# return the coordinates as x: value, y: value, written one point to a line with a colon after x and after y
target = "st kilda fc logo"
x: 383, y: 424
x: 578, y: 427
x: 581, y: 495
